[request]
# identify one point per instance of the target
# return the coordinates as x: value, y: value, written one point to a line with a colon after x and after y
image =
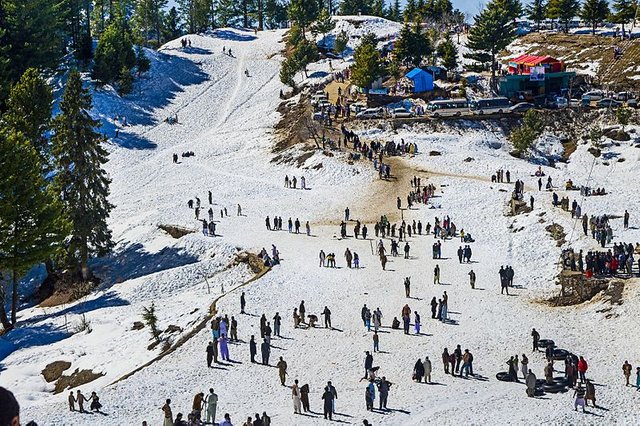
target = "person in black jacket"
x: 536, y: 338
x: 434, y: 307
x: 265, y: 348
x: 327, y: 396
x: 368, y: 363
x: 209, y: 354
x: 418, y: 371
x: 253, y: 348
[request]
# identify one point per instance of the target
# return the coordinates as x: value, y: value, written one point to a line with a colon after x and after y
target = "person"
x: 327, y: 317
x: 301, y: 311
x: 512, y: 369
x: 211, y: 403
x: 548, y: 373
x: 304, y: 397
x: 582, y: 368
x: 210, y: 352
x: 296, y: 396
x: 369, y: 395
x: 80, y: 399
x: 224, y: 347
x: 277, y: 321
x: 445, y: 360
x: 436, y: 275
x: 383, y: 389
x: 328, y: 401
x: 626, y: 370
x: 180, y: 421
x: 227, y: 420
x: 266, y: 420
x: 249, y: 422
x: 243, y: 303
x: 434, y: 307
x: 282, y: 370
x: 407, y: 287
x: 417, y: 322
x: 197, y: 406
x: 266, y: 350
x: 626, y: 219
x: 472, y: 279
x: 524, y: 365
x: 530, y: 380
x: 376, y: 341
x: 72, y: 402
x: 168, y: 415
x: 536, y: 338
x: 10, y: 412
x: 579, y: 395
x: 590, y: 394
x: 418, y: 371
x: 368, y: 363
x: 95, y: 402
x: 638, y: 378
x: 253, y: 349
x: 427, y: 370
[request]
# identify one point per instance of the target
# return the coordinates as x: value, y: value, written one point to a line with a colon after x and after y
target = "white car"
x: 401, y: 113
x: 357, y: 107
x: 593, y: 95
x: 316, y: 99
x: 370, y: 113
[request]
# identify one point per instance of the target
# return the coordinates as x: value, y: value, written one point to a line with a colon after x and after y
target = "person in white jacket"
x: 427, y: 370
x: 295, y: 394
x: 211, y: 403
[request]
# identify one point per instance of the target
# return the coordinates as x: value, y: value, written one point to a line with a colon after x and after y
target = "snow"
x: 227, y: 119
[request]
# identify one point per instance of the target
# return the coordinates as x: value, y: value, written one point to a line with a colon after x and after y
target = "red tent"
x: 523, y: 64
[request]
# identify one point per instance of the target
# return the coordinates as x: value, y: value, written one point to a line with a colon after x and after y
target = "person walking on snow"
x: 427, y: 370
x: 626, y: 370
x: 282, y: 370
x: 327, y: 317
x: 297, y: 398
x: 211, y: 403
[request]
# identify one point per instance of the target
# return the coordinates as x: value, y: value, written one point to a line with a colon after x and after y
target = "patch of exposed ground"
x: 77, y: 378
x: 557, y: 233
x: 54, y: 370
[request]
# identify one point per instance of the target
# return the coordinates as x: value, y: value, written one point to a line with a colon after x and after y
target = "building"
x: 529, y: 76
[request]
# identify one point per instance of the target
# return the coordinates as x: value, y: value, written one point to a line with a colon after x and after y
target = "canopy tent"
x: 422, y: 80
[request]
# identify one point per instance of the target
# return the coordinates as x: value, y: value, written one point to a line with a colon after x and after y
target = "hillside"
x: 588, y: 55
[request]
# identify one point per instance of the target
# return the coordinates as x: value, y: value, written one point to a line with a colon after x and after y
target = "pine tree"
x: 492, y: 32
x: 410, y: 11
x: 30, y: 37
x: 412, y: 45
x: 305, y: 53
x: 448, y: 53
x: 114, y: 51
x: 537, y: 12
x: 594, y: 12
x: 81, y: 179
x: 367, y: 66
x: 341, y: 43
x: 323, y: 25
x: 125, y: 81
x: 353, y: 7
x: 395, y: 13
x: 568, y: 9
x: 172, y: 27
x: 31, y: 222
x: 513, y: 8
x: 228, y: 12
x: 148, y: 18
x: 625, y: 10
x: 143, y: 64
x: 275, y: 13
x: 303, y: 13
x: 151, y: 319
x: 377, y: 8
x: 29, y: 111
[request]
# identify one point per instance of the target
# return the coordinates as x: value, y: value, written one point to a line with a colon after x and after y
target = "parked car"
x: 608, y: 103
x: 593, y: 95
x: 623, y: 96
x: 632, y: 103
x: 401, y: 113
x: 317, y: 98
x: 357, y: 107
x: 521, y: 107
x: 559, y: 102
x: 370, y: 113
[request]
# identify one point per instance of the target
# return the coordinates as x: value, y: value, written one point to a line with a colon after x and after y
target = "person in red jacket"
x: 582, y: 368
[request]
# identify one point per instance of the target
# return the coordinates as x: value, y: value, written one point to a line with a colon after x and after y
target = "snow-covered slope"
x: 226, y: 118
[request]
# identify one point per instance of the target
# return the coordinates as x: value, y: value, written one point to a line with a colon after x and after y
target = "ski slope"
x: 226, y: 118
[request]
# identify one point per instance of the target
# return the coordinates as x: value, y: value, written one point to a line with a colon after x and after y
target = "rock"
x: 434, y: 153
x: 54, y: 370
x: 173, y: 329
x: 595, y: 151
x: 621, y: 160
x: 77, y: 378
x: 616, y: 134
x: 468, y: 159
x: 137, y: 325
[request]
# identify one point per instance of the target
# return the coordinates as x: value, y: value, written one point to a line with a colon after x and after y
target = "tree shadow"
x: 133, y: 261
x: 232, y: 34
x: 29, y: 337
